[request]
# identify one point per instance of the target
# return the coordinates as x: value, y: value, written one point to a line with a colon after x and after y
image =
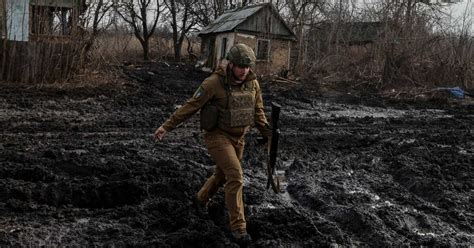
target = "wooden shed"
x: 259, y: 26
x: 38, y: 38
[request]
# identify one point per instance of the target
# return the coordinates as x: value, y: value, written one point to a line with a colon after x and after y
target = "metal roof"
x: 231, y: 19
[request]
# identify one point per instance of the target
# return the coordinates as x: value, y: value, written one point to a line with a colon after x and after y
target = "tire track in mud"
x: 354, y: 179
x: 79, y: 167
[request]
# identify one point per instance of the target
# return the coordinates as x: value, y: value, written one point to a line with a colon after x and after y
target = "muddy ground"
x: 80, y: 168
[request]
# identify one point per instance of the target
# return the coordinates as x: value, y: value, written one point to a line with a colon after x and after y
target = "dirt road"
x: 79, y: 167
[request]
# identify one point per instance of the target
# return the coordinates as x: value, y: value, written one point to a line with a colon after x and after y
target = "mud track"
x: 79, y: 167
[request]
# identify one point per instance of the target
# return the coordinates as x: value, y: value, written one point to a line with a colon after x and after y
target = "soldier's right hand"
x: 160, y: 133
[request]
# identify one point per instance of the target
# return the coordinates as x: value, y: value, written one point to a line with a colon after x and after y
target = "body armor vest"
x: 240, y: 109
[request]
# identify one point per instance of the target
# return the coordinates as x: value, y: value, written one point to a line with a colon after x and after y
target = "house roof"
x: 231, y: 19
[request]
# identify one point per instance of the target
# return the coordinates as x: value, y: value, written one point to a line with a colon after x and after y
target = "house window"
x: 46, y: 20
x: 223, y: 47
x: 263, y: 49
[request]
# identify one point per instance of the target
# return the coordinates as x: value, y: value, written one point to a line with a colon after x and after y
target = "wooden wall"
x: 278, y: 60
x: 36, y: 61
x: 2, y: 18
x: 219, y: 56
x: 266, y: 21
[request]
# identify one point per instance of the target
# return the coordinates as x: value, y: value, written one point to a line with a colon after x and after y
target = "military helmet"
x: 241, y: 54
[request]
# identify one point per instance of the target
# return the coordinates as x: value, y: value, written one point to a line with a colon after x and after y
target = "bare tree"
x: 93, y: 20
x: 409, y: 24
x: 300, y: 14
x: 142, y: 16
x: 205, y: 11
x: 405, y: 41
x: 181, y: 21
x: 415, y: 47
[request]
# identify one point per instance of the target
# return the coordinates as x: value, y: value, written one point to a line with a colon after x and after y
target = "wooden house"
x: 38, y: 38
x: 354, y: 39
x: 261, y: 27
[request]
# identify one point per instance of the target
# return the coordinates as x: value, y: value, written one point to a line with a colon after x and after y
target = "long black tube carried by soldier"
x: 271, y: 165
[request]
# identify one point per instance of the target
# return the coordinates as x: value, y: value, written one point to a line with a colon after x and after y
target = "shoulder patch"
x: 199, y: 92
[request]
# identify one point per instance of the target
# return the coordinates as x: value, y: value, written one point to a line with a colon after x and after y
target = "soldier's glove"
x: 266, y: 142
x: 262, y: 140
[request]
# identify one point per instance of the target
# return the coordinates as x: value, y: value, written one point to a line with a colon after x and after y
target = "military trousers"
x: 227, y: 152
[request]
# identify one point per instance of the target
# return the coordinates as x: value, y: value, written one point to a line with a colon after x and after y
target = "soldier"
x: 231, y: 102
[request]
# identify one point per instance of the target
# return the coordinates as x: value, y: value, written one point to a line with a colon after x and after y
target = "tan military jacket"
x: 213, y: 89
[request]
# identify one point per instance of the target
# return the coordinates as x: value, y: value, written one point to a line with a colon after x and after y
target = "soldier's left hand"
x: 160, y: 133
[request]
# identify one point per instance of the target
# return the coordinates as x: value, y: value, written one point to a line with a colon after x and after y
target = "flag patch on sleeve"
x: 199, y: 92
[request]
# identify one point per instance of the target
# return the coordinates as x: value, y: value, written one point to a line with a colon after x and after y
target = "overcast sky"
x: 458, y: 9
x: 459, y: 13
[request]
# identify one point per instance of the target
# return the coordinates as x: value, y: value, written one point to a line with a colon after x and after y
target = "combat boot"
x: 201, y: 207
x: 205, y: 207
x: 241, y: 237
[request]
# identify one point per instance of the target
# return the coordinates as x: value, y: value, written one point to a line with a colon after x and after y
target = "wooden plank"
x: 266, y: 21
x: 57, y: 3
x: 36, y: 61
x: 2, y: 19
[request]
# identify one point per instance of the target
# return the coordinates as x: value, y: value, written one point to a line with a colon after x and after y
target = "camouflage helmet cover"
x: 241, y: 54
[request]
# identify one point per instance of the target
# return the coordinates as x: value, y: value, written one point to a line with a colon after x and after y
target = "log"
x: 284, y: 80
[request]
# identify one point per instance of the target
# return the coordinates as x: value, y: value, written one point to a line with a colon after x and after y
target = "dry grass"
x: 95, y: 77
x: 429, y: 63
x: 101, y: 65
x: 118, y: 48
x: 88, y: 78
